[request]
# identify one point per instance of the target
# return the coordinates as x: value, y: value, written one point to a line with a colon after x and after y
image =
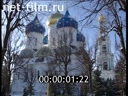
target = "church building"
x: 104, y: 55
x: 43, y: 52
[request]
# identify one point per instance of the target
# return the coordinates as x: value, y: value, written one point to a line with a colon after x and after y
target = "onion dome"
x: 26, y: 53
x: 67, y: 21
x: 45, y: 39
x: 45, y: 51
x: 80, y: 37
x: 35, y: 26
x: 101, y: 17
x: 53, y: 19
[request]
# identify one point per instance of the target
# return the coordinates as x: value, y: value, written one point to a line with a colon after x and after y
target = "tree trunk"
x: 66, y: 84
x: 49, y: 90
x: 9, y: 84
x: 90, y: 82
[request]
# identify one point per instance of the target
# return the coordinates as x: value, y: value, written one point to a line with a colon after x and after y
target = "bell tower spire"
x: 102, y: 25
x: 104, y: 55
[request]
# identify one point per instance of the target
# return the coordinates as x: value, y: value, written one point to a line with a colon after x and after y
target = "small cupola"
x: 35, y: 26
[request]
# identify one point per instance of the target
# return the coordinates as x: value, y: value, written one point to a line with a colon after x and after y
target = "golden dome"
x: 101, y: 17
x: 54, y: 18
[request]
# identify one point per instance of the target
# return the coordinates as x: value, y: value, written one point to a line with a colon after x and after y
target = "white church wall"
x: 52, y: 36
x: 76, y: 66
x: 19, y: 84
x: 34, y: 40
x: 71, y: 35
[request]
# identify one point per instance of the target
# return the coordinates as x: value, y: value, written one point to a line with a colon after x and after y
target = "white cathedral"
x: 40, y: 51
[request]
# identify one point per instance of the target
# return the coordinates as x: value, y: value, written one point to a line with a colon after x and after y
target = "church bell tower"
x: 104, y: 54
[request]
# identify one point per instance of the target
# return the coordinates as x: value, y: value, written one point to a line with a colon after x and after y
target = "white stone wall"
x: 34, y: 40
x: 52, y: 36
x: 74, y: 69
x: 71, y: 35
x: 18, y: 84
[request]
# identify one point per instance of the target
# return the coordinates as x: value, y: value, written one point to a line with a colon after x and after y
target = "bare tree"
x: 30, y: 79
x: 54, y: 88
x: 120, y: 69
x: 10, y: 62
x: 11, y: 21
x: 62, y: 55
x: 113, y: 9
x: 15, y: 15
x: 51, y: 89
x: 14, y: 20
x: 87, y: 57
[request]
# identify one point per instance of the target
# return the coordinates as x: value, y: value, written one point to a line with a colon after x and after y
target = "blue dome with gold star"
x: 67, y: 21
x: 45, y: 39
x: 35, y: 26
x: 80, y: 37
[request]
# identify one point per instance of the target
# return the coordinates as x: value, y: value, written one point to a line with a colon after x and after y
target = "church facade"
x: 42, y: 53
x: 62, y: 42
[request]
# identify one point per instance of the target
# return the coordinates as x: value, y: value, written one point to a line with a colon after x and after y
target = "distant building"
x: 104, y: 55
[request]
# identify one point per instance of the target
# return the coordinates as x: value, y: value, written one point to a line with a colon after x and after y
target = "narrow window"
x: 104, y: 49
x: 35, y: 41
x: 38, y: 74
x: 105, y: 66
x: 26, y: 76
x: 18, y: 75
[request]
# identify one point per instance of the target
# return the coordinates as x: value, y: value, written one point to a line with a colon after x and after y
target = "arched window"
x: 25, y: 76
x: 35, y: 41
x: 18, y: 75
x: 105, y: 66
x: 103, y: 39
x: 38, y: 74
x: 104, y: 49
